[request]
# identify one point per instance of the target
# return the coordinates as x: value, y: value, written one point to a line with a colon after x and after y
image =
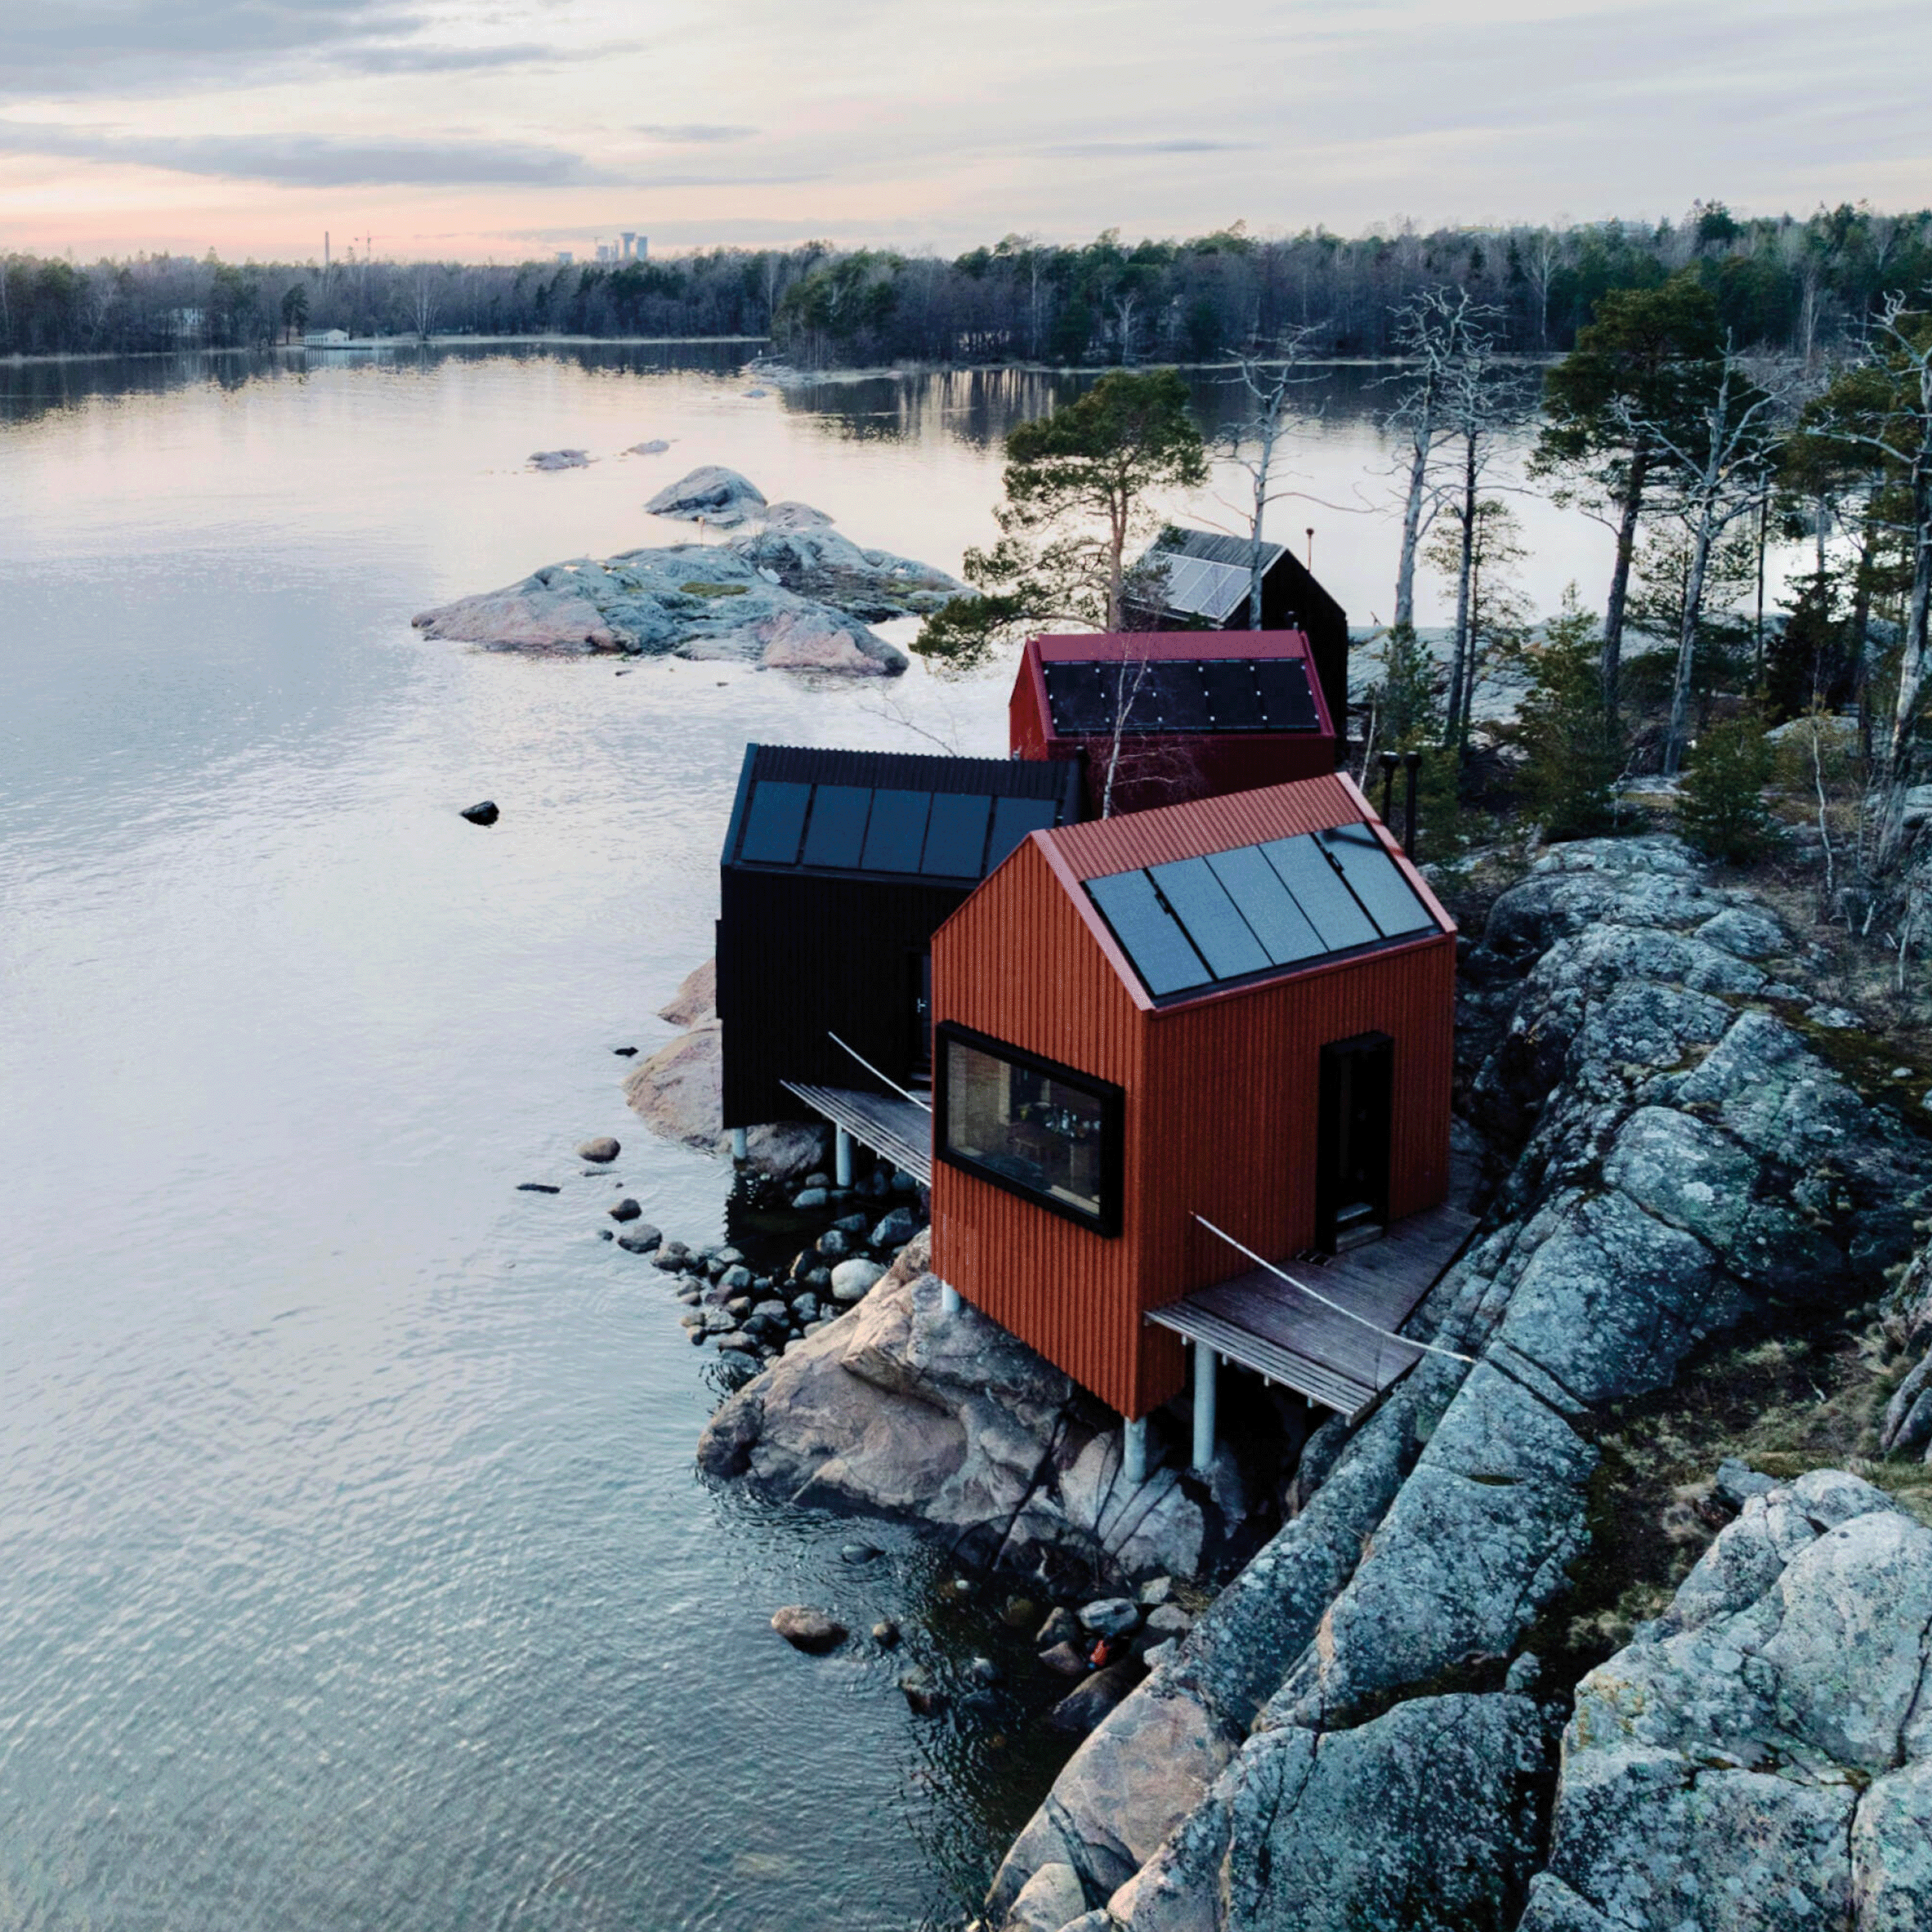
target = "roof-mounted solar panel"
x: 896, y: 834
x: 956, y: 835
x: 1179, y: 698
x: 774, y: 824
x: 1233, y: 703
x: 1287, y: 704
x: 1318, y: 890
x: 1386, y: 897
x: 836, y: 834
x: 1210, y: 918
x: 1267, y: 906
x: 1077, y: 698
x: 1152, y: 939
x: 1013, y: 820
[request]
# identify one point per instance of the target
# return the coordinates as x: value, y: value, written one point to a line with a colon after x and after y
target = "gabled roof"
x: 885, y: 814
x: 1175, y: 682
x: 1207, y: 574
x: 1191, y: 900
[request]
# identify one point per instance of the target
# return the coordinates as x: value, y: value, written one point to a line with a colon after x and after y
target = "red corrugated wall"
x: 1223, y: 1096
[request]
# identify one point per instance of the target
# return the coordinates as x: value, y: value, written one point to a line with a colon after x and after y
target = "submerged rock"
x: 808, y: 1630
x: 561, y: 459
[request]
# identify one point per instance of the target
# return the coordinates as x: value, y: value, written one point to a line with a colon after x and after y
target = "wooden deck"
x: 894, y: 1129
x: 1258, y: 1321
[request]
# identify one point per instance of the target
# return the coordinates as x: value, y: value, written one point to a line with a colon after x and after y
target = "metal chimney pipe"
x: 1412, y: 764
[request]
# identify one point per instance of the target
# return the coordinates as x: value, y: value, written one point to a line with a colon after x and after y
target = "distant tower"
x: 643, y: 246
x: 630, y: 245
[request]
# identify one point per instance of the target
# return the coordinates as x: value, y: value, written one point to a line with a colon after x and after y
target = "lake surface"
x: 353, y: 1568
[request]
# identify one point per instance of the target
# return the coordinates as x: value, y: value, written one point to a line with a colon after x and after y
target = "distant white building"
x: 324, y: 338
x: 565, y: 257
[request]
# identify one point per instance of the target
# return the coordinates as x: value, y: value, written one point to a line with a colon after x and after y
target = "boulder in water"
x: 602, y: 1150
x: 806, y: 1629
x: 485, y: 814
x: 561, y: 459
x: 719, y: 496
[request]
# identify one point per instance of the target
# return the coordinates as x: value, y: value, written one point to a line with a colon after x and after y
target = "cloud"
x: 685, y: 132
x: 1084, y: 149
x: 314, y: 161
x: 411, y: 57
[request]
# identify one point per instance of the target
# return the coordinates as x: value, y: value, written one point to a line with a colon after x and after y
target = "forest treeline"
x: 1796, y: 286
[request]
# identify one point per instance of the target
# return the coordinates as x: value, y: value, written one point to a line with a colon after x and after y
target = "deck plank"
x: 895, y: 1129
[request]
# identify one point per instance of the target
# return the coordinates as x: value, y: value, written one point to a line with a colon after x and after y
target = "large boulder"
x: 711, y: 492
x: 678, y: 1093
x: 1761, y: 1756
x: 816, y: 562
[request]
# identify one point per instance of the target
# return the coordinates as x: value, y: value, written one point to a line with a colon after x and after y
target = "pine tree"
x: 1570, y: 757
x: 1720, y: 807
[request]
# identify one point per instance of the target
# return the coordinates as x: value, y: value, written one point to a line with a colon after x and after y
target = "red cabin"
x: 1237, y: 1011
x: 1168, y: 716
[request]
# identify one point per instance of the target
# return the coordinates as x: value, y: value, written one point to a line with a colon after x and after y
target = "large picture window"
x: 1036, y: 1130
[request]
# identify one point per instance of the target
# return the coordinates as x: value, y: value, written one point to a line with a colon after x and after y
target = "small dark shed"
x: 1239, y: 1009
x: 1173, y: 715
x: 838, y: 868
x: 1204, y: 586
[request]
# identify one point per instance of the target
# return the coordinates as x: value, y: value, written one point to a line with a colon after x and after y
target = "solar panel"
x: 1319, y: 892
x: 1013, y: 820
x: 898, y: 833
x: 837, y: 833
x: 956, y: 837
x: 1386, y: 897
x: 1267, y: 906
x: 1210, y: 918
x: 1075, y: 698
x: 1231, y: 695
x: 1159, y: 949
x: 773, y: 824
x: 1178, y: 698
x: 1286, y: 702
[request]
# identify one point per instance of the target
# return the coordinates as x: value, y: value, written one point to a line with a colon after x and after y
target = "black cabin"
x: 1204, y: 585
x: 838, y: 868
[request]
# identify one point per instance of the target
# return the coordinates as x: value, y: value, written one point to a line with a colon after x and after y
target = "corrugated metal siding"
x: 1018, y: 963
x: 1221, y: 1116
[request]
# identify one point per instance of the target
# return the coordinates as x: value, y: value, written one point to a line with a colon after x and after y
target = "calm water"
x: 353, y: 1571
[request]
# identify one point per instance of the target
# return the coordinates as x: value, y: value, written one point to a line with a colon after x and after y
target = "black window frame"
x: 1113, y: 1117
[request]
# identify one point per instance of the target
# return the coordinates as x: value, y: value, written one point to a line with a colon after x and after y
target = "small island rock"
x: 719, y: 495
x: 484, y: 814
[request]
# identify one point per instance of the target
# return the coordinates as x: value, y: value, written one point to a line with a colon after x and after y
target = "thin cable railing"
x: 925, y: 1106
x: 1387, y: 1335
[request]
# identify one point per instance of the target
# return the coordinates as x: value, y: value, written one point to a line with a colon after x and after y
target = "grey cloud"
x: 308, y: 160
x: 411, y: 58
x: 696, y: 131
x: 1082, y: 149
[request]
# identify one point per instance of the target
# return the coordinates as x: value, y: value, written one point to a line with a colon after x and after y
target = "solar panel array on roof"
x: 1198, y: 586
x: 847, y: 828
x: 1164, y: 695
x: 1255, y: 908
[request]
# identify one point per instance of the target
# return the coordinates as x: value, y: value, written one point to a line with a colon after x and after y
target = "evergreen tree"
x: 1809, y: 662
x: 1571, y: 756
x: 1720, y: 807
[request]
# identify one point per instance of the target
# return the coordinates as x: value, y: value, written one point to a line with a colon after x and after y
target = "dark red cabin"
x: 1173, y: 715
x: 1239, y: 1008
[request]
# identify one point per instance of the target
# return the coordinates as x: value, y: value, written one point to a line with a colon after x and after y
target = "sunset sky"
x: 508, y: 128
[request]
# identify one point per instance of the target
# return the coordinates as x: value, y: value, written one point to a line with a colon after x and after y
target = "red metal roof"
x: 1100, y: 646
x: 1076, y: 853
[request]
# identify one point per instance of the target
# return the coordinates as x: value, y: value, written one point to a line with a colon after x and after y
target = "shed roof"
x: 1165, y: 683
x: 1190, y: 899
x: 886, y: 814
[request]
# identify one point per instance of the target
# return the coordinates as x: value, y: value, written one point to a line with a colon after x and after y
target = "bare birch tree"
x: 1273, y: 376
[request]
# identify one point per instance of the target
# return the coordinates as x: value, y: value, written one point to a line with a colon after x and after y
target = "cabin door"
x: 918, y: 1058
x: 1351, y: 1167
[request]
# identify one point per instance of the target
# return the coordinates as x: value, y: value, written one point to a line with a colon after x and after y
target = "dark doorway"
x: 1351, y: 1167
x: 918, y: 1058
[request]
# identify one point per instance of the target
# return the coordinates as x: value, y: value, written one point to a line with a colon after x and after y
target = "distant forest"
x: 1785, y: 284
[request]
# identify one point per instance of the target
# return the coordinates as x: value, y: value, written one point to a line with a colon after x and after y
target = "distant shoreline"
x: 365, y: 343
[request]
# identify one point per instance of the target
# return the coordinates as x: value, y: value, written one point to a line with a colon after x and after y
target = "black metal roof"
x: 1207, y: 574
x: 1170, y: 695
x: 892, y: 814
x: 1256, y: 910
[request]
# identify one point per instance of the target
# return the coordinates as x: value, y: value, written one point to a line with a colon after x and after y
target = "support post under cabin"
x: 841, y: 1157
x: 1133, y: 1452
x: 740, y: 1144
x: 1205, y: 1361
x: 949, y: 1298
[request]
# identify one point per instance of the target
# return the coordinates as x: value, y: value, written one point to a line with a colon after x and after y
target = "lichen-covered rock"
x: 1761, y: 1757
x: 718, y: 495
x: 817, y: 562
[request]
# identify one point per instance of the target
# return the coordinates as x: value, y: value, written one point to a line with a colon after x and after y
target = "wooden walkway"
x: 895, y: 1129
x: 1256, y: 1320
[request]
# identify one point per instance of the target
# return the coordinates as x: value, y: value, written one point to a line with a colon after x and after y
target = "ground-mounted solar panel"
x: 1319, y: 891
x: 774, y: 823
x: 1152, y: 939
x: 1013, y: 820
x: 896, y: 834
x: 956, y: 835
x: 836, y: 833
x: 1377, y: 880
x: 1287, y: 704
x: 1210, y: 918
x: 1267, y: 906
x: 1232, y: 701
x: 1077, y: 699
